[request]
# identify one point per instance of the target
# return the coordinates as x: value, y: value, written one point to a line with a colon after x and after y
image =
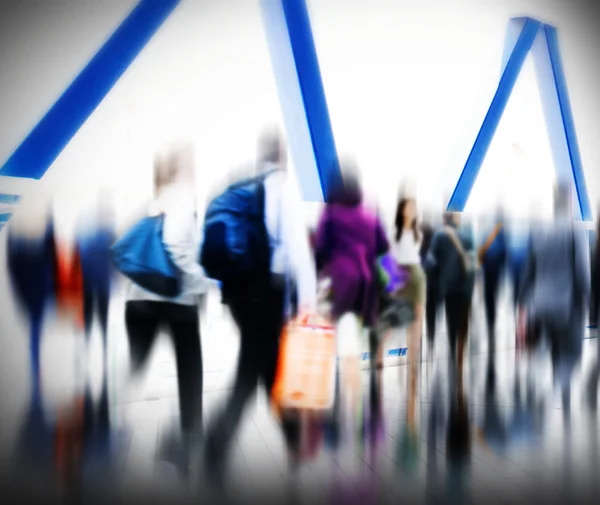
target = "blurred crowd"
x: 368, y: 280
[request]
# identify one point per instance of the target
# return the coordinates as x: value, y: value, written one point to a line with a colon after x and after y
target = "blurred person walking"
x: 32, y: 261
x: 406, y: 251
x: 431, y: 295
x: 147, y: 312
x: 555, y: 289
x: 492, y: 258
x: 452, y: 255
x: 258, y: 295
x: 348, y: 241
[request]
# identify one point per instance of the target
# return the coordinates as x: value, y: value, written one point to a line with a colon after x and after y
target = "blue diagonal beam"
x: 511, y: 72
x: 50, y: 136
x: 302, y: 96
x: 568, y: 123
x: 5, y: 217
x: 313, y: 93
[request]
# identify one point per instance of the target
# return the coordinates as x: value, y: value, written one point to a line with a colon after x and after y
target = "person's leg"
x: 103, y: 303
x: 414, y: 349
x: 35, y: 337
x: 142, y: 320
x: 452, y: 324
x: 431, y: 303
x: 489, y: 298
x: 221, y: 429
x: 88, y: 309
x: 184, y: 324
x: 464, y: 312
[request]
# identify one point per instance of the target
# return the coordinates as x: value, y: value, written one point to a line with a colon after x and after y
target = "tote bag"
x: 140, y: 255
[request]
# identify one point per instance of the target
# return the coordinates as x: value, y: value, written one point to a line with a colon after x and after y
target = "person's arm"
x: 383, y: 244
x: 431, y: 260
x: 179, y: 238
x: 295, y: 240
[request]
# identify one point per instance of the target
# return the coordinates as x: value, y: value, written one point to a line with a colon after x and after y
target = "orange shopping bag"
x: 305, y: 376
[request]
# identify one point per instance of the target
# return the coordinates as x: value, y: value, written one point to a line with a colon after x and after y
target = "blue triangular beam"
x: 302, y: 97
x: 55, y: 130
x: 525, y: 35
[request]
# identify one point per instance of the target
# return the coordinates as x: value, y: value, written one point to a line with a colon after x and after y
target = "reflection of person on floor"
x: 555, y: 289
x: 258, y: 307
x: 431, y: 297
x: 436, y: 425
x: 95, y: 237
x: 458, y: 446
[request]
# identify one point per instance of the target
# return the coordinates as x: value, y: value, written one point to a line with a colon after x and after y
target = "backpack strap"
x: 457, y: 244
x: 489, y: 241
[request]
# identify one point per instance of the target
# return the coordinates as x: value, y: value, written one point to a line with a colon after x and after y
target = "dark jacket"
x: 427, y: 232
x: 444, y: 259
x: 556, y: 281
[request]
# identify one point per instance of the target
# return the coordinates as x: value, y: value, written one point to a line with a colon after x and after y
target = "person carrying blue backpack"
x: 256, y: 244
x: 169, y: 238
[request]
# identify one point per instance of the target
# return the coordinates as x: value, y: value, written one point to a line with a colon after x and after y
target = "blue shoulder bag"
x: 140, y: 255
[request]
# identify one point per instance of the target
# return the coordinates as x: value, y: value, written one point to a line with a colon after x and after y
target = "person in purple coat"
x: 348, y: 241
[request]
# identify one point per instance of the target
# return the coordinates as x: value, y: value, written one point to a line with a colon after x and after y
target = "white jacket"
x: 181, y: 237
x: 287, y: 228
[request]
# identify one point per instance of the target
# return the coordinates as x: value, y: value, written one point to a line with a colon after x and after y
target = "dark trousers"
x: 258, y: 310
x: 95, y: 301
x: 492, y: 275
x: 143, y: 320
x: 431, y: 308
x: 458, y: 309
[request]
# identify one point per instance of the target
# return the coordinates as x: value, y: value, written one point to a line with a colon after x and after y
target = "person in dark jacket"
x: 451, y: 250
x: 555, y: 288
x: 492, y: 256
x: 431, y: 298
x: 32, y: 269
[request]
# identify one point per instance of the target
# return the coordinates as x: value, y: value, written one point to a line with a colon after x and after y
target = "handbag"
x: 141, y: 256
x: 391, y: 277
x: 306, y: 366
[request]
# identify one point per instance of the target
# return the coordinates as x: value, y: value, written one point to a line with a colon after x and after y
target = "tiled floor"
x: 519, y: 444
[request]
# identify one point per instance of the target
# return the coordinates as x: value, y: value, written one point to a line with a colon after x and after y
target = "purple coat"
x: 348, y: 241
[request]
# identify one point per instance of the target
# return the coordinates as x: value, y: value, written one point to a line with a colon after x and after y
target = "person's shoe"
x: 177, y: 450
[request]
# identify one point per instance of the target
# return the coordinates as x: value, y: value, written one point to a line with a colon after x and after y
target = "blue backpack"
x: 141, y: 256
x: 236, y: 243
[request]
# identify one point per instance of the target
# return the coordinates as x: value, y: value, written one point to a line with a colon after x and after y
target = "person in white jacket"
x: 146, y: 312
x: 259, y: 307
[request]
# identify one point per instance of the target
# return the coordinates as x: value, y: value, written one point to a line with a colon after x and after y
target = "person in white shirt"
x: 146, y: 312
x: 259, y: 305
x: 406, y: 250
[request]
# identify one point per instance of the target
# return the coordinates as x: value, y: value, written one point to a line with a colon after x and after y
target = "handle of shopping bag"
x: 312, y: 320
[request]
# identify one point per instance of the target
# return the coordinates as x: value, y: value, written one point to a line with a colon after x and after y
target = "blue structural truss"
x: 34, y: 156
x: 302, y: 97
x: 55, y: 130
x: 525, y: 36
